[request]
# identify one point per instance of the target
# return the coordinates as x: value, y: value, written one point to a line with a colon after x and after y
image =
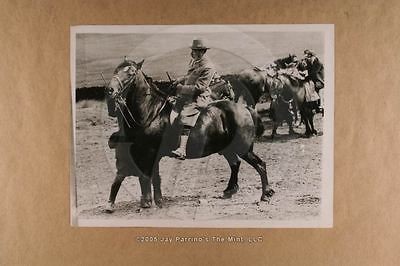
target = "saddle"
x: 223, y: 89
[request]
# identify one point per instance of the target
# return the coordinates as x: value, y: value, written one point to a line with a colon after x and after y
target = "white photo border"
x: 327, y: 184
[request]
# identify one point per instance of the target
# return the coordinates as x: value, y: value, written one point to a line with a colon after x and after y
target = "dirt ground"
x: 192, y: 188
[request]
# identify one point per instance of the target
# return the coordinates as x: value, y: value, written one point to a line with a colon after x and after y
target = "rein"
x: 149, y: 93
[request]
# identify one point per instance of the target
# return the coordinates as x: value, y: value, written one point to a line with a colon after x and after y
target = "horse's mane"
x: 160, y: 86
x: 164, y: 86
x: 125, y: 63
x: 243, y: 88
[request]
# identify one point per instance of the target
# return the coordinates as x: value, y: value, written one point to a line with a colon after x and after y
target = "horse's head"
x: 124, y: 75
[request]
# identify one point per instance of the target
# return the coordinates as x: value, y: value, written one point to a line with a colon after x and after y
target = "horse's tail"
x: 259, y: 126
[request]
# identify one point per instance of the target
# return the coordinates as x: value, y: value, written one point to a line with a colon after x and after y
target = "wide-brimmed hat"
x: 309, y: 52
x: 198, y: 44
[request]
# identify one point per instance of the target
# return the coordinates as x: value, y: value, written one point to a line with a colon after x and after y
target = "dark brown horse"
x: 248, y: 86
x: 290, y: 88
x: 283, y: 106
x: 223, y: 127
x: 259, y: 81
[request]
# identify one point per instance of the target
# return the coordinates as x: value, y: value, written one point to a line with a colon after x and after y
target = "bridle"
x: 128, y: 82
x: 123, y: 86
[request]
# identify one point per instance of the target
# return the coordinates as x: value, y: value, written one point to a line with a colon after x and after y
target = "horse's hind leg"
x: 260, y: 167
x: 275, y: 127
x: 156, y: 180
x: 113, y: 193
x: 233, y: 187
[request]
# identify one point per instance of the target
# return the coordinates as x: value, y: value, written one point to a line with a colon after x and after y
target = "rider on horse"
x: 193, y: 90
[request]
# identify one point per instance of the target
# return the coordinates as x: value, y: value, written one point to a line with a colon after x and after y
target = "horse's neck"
x: 281, y: 83
x: 296, y: 89
x: 145, y: 103
x: 275, y: 80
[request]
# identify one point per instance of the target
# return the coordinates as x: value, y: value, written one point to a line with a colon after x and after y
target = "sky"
x: 166, y: 48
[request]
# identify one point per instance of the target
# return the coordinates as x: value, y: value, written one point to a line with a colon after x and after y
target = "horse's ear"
x: 125, y: 58
x: 140, y: 64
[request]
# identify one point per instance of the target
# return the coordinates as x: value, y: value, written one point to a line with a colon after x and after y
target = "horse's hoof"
x: 229, y: 192
x: 267, y: 194
x: 264, y: 198
x: 270, y: 192
x: 158, y: 199
x: 158, y: 202
x: 227, y: 195
x: 145, y: 203
x: 110, y: 208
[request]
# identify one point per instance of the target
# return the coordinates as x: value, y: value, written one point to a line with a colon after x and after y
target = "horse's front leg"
x: 113, y: 193
x: 305, y: 118
x: 291, y: 130
x: 311, y: 121
x: 145, y: 186
x: 146, y: 161
x: 274, y: 118
x: 290, y: 123
x: 291, y: 114
x: 275, y: 125
x: 313, y: 130
x: 156, y: 180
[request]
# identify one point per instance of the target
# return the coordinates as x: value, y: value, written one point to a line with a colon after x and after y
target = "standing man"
x: 193, y: 90
x: 316, y: 73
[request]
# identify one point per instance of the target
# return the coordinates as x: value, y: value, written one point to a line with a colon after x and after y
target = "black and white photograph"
x: 222, y: 126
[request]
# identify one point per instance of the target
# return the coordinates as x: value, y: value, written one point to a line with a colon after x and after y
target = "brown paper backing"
x: 35, y: 115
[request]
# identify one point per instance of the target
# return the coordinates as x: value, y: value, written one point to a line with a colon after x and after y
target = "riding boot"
x: 180, y: 153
